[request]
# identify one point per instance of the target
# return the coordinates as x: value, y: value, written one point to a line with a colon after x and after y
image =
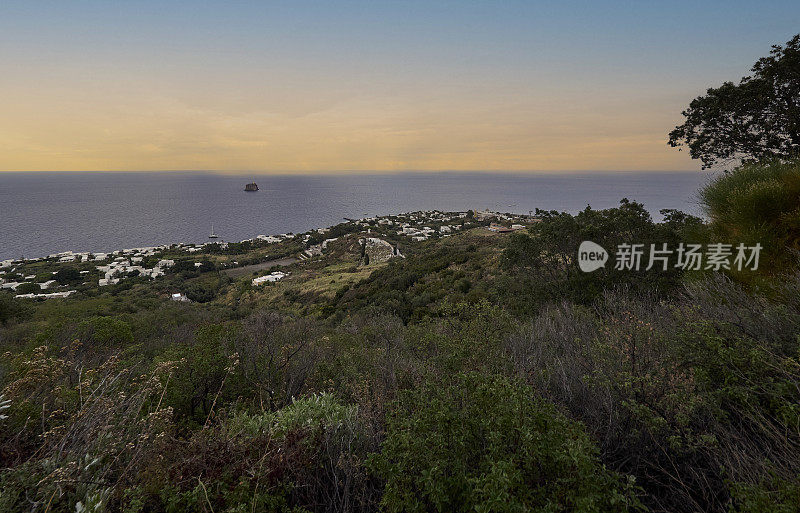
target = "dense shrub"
x: 416, y: 287
x: 28, y: 288
x: 542, y: 267
x: 105, y: 331
x: 75, y: 436
x: 696, y: 399
x: 279, y: 354
x: 200, y: 293
x: 758, y: 203
x: 9, y: 307
x: 67, y: 276
x: 488, y: 444
x: 204, y: 374
x: 306, y: 456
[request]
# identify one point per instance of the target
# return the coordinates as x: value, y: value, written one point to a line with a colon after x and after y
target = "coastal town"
x: 379, y: 239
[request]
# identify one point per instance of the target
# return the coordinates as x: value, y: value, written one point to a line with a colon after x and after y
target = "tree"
x: 200, y: 293
x: 9, y: 308
x: 67, y: 276
x: 541, y: 267
x: 758, y: 119
x: 28, y: 288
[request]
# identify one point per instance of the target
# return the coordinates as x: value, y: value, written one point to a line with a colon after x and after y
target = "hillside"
x: 427, y: 361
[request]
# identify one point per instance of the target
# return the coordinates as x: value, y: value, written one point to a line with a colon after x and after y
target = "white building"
x: 52, y: 295
x: 272, y: 278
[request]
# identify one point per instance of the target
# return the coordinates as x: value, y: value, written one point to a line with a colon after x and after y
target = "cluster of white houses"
x: 116, y: 266
x: 426, y: 232
x: 122, y: 267
x: 412, y: 228
x: 13, y: 284
x: 413, y: 224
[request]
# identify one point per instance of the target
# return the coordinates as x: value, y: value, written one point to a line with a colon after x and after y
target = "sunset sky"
x: 366, y: 86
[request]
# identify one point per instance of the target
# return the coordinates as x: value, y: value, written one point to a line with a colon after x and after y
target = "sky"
x: 341, y: 86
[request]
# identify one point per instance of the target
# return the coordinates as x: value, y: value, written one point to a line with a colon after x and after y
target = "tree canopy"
x: 758, y: 119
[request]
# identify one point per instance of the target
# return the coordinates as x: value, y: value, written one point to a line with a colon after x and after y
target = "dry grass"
x: 330, y: 279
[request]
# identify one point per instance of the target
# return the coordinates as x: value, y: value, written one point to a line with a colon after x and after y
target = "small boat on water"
x: 251, y: 187
x: 213, y: 235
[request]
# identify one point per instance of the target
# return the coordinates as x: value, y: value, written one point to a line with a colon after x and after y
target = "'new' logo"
x: 591, y: 256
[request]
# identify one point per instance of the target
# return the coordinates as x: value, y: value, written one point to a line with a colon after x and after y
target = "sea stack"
x: 251, y: 187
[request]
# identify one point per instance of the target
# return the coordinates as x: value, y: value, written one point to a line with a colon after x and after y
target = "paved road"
x: 236, y: 272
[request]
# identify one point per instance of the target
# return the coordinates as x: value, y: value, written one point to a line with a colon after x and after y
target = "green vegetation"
x: 541, y: 268
x: 483, y: 372
x: 28, y: 288
x: 758, y: 204
x: 478, y: 444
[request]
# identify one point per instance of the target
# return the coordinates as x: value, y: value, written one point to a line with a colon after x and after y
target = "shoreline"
x: 88, y: 269
x: 100, y: 213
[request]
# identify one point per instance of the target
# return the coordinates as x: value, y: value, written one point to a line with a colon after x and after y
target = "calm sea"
x: 44, y: 213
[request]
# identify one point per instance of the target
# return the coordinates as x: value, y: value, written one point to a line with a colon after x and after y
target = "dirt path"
x: 236, y: 272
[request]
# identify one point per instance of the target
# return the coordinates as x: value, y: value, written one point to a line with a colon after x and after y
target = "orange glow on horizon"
x: 82, y: 131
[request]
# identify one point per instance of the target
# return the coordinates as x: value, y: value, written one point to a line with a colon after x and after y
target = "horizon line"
x: 360, y: 171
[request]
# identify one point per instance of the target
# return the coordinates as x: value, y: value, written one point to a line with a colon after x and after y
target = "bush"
x: 204, y: 376
x: 67, y: 276
x: 696, y: 399
x: 28, y: 288
x: 93, y: 427
x: 317, y: 412
x: 780, y: 496
x: 542, y: 267
x: 206, y: 266
x: 9, y: 308
x: 758, y: 203
x: 200, y: 293
x: 307, y: 455
x: 105, y: 332
x: 488, y: 444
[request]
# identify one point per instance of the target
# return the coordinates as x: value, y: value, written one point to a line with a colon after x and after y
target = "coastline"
x: 101, y: 213
x: 252, y: 255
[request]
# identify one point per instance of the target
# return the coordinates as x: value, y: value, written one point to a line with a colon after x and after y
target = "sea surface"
x: 44, y: 213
